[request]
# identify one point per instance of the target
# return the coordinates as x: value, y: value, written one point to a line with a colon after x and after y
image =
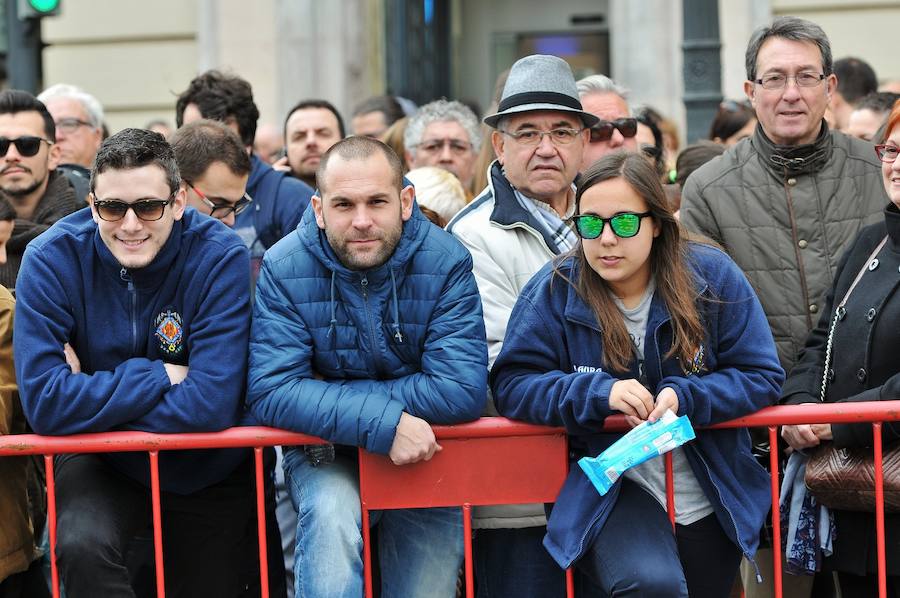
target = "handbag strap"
x: 839, y: 313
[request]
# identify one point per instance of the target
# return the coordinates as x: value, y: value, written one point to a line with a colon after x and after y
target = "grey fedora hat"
x: 540, y: 82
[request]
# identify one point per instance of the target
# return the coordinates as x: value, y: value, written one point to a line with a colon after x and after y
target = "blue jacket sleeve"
x: 747, y: 375
x: 452, y: 385
x: 527, y: 379
x: 55, y: 400
x: 282, y: 389
x: 209, y: 399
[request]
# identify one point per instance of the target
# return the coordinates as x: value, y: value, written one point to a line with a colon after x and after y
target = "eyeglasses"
x: 433, y: 146
x: 148, y: 210
x: 70, y: 125
x: 603, y: 130
x: 774, y: 81
x: 886, y: 153
x: 223, y: 207
x: 560, y: 136
x: 624, y: 225
x: 26, y: 146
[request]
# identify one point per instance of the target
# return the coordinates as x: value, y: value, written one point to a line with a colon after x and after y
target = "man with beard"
x: 28, y: 176
x: 367, y: 329
x: 310, y: 129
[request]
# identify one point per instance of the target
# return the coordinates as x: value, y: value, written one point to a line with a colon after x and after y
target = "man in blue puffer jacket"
x: 367, y: 328
x: 134, y: 315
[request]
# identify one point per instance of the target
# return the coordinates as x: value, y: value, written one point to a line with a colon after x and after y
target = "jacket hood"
x: 258, y: 169
x: 414, y: 232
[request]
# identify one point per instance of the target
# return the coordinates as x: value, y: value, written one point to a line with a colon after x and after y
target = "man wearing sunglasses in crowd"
x: 616, y: 130
x: 28, y: 176
x: 512, y: 228
x: 134, y: 315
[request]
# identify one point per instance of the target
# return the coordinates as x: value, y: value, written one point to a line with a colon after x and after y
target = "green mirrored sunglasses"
x: 624, y: 225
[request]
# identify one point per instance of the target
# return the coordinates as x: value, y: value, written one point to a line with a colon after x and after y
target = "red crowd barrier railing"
x: 487, y: 462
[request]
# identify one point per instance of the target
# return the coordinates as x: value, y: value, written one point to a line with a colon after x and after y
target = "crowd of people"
x: 557, y: 261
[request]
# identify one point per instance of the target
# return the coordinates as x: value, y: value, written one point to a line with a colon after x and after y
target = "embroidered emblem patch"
x: 697, y: 362
x: 170, y: 333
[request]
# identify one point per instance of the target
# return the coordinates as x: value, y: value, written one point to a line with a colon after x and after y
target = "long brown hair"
x: 668, y: 263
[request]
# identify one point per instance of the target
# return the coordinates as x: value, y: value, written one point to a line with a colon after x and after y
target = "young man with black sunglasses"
x: 616, y: 130
x: 28, y: 160
x: 135, y: 315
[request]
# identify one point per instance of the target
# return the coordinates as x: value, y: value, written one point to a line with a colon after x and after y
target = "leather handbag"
x: 844, y: 478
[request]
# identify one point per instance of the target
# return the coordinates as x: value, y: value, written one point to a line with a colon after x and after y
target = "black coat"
x: 864, y: 367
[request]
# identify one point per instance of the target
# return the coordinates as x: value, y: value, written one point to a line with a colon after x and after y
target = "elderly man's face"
x: 77, y: 138
x: 545, y: 170
x: 791, y: 115
x: 445, y: 144
x: 610, y: 107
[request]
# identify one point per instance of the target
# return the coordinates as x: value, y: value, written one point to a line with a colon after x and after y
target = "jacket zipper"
x: 737, y: 536
x: 123, y: 274
x: 364, y: 285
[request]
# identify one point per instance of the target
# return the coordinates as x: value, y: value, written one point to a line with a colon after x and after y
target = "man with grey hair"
x: 79, y: 131
x: 513, y: 228
x: 785, y: 202
x: 605, y: 99
x: 444, y: 134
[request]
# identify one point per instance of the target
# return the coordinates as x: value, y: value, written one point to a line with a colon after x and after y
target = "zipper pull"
x: 123, y: 274
x: 364, y: 283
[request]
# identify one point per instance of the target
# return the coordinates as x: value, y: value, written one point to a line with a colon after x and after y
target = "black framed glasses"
x: 603, y: 130
x: 772, y: 81
x: 27, y: 146
x: 148, y: 210
x: 624, y: 225
x: 886, y: 153
x: 219, y: 207
x: 560, y: 136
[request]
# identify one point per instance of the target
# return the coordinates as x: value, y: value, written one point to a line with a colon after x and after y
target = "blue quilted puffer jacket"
x: 340, y: 354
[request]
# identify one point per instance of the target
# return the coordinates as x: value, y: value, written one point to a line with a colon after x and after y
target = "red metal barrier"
x: 541, y: 451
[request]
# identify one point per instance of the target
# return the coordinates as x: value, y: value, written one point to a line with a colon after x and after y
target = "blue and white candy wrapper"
x: 642, y: 443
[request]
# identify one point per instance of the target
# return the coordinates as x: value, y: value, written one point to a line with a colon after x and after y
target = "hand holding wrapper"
x: 644, y: 442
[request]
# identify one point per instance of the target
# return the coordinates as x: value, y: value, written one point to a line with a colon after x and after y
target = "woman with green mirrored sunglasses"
x: 637, y: 321
x: 623, y: 224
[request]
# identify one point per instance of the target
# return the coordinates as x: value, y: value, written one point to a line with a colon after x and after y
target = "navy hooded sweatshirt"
x: 189, y: 306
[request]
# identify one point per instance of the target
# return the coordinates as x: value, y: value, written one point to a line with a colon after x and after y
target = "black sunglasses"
x: 148, y: 210
x: 603, y: 130
x: 26, y: 146
x: 624, y: 225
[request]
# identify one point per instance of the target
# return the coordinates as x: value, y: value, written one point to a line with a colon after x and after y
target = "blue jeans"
x: 514, y: 562
x: 636, y: 553
x: 420, y: 550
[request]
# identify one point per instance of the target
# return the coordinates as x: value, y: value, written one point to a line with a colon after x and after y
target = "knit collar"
x: 791, y: 160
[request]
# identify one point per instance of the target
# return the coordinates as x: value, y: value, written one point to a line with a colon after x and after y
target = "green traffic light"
x: 44, y: 6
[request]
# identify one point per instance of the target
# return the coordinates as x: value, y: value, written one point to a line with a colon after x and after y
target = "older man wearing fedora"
x: 512, y: 228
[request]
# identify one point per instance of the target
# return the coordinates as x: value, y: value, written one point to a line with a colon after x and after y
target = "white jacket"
x: 507, y: 248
